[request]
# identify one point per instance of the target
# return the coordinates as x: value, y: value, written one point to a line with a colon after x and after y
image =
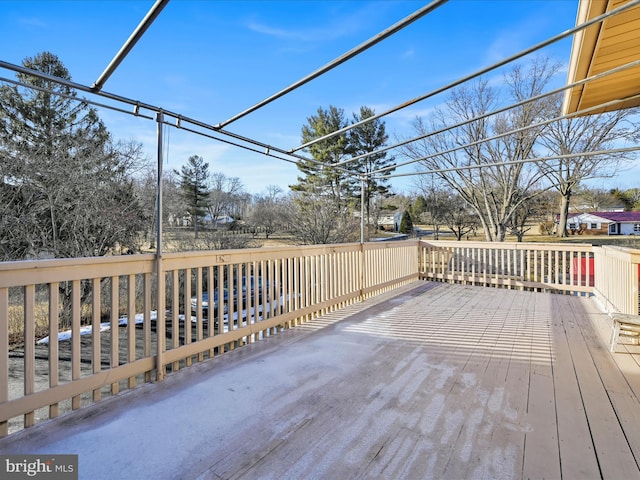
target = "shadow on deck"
x: 429, y: 381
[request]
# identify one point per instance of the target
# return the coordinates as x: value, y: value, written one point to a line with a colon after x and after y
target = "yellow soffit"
x: 599, y: 48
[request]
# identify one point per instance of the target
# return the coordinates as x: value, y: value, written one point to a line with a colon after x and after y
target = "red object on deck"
x: 583, y: 272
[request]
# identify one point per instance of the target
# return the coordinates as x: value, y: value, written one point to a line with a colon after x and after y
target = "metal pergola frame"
x: 218, y: 132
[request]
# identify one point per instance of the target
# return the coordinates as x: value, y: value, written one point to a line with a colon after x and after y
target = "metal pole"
x: 130, y: 43
x: 362, y: 187
x: 341, y: 59
x: 160, y: 320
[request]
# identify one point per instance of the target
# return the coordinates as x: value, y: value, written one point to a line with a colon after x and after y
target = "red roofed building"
x: 609, y: 223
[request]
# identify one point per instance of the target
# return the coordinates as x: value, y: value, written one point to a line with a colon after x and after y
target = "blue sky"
x: 211, y: 59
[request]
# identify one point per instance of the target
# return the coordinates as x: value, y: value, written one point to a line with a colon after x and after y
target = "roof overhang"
x: 601, y: 47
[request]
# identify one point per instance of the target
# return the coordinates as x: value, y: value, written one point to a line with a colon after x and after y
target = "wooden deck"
x: 430, y: 381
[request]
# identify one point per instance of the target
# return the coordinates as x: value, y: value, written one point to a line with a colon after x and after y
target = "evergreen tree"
x: 418, y: 207
x: 323, y: 197
x: 328, y: 182
x: 630, y: 199
x: 368, y: 138
x: 406, y: 223
x: 193, y: 181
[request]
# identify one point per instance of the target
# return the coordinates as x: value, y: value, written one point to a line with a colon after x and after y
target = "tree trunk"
x: 564, y: 214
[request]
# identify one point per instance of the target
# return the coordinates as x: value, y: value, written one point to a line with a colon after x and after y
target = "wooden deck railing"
x: 527, y: 266
x: 213, y: 302
x: 617, y: 272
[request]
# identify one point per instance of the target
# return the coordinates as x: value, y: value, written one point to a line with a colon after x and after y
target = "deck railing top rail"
x: 553, y: 246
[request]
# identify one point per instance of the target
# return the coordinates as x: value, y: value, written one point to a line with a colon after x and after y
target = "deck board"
x: 577, y: 454
x: 474, y: 447
x: 619, y: 397
x: 430, y: 381
x: 509, y: 405
x: 611, y: 447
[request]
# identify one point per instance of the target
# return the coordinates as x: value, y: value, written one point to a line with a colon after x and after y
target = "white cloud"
x: 409, y: 53
x: 282, y: 33
x: 33, y: 22
x: 340, y: 25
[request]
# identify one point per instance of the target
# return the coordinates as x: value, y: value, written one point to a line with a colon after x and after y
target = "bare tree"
x: 537, y: 211
x: 476, y: 169
x: 174, y: 207
x: 588, y: 133
x: 435, y: 203
x: 458, y: 217
x: 269, y: 212
x: 317, y: 219
x: 211, y: 240
x: 226, y: 197
x: 592, y: 199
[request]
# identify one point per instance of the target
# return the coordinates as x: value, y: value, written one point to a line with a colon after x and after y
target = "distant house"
x: 385, y: 222
x: 606, y: 223
x: 179, y: 221
x: 217, y: 221
x: 397, y: 220
x: 390, y: 222
x: 584, y: 208
x: 223, y: 220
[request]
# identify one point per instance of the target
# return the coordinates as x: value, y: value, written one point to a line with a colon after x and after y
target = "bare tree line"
x: 485, y: 159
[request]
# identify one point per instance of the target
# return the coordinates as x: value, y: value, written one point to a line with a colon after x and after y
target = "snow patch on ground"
x: 139, y: 318
x: 105, y: 326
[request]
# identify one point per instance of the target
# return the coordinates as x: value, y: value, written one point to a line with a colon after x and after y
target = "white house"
x: 217, y: 221
x: 385, y: 222
x: 610, y: 223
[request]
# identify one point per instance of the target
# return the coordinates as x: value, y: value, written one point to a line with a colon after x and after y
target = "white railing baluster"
x: 29, y: 348
x: 54, y: 306
x: 96, y: 360
x: 115, y: 340
x: 75, y: 338
x: 4, y: 356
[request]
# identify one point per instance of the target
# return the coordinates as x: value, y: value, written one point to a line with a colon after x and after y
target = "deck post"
x: 160, y: 280
x: 361, y: 276
x: 362, y: 210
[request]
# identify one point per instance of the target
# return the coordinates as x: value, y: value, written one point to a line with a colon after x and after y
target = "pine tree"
x: 329, y: 182
x: 193, y: 181
x: 406, y: 223
x: 65, y: 187
x: 368, y: 138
